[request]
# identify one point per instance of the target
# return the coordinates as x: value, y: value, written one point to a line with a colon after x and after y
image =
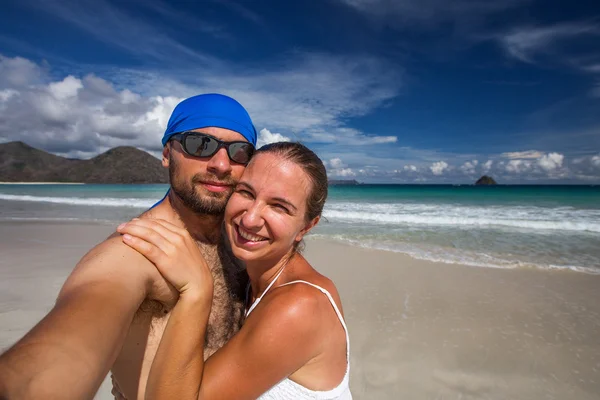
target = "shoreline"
x: 412, y: 255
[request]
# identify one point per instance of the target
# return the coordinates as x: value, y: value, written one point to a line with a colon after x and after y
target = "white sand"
x: 419, y: 330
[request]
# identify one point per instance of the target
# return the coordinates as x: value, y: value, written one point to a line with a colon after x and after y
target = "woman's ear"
x: 307, y: 228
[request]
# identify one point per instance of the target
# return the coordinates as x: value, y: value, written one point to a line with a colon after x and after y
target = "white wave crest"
x: 83, y: 201
x: 515, y: 217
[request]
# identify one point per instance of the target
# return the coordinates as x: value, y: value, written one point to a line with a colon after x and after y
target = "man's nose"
x: 219, y: 164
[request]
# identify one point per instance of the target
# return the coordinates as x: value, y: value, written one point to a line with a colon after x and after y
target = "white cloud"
x: 548, y: 164
x: 551, y: 161
x: 306, y: 95
x: 518, y: 166
x: 469, y: 167
x: 595, y: 160
x: 336, y: 163
x: 527, y: 42
x: 429, y: 13
x: 411, y: 168
x: 594, y: 68
x: 595, y: 92
x: 76, y: 116
x: 265, y: 136
x: 343, y: 172
x: 307, y: 98
x: 109, y: 23
x: 439, y: 167
x: 18, y: 72
x: 338, y: 168
x: 487, y: 166
x: 6, y: 94
x: 66, y: 88
x: 523, y: 154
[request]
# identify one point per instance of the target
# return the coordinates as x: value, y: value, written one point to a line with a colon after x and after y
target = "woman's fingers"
x: 157, y: 233
x: 154, y: 254
x: 148, y: 234
x: 172, y: 250
x: 173, y: 228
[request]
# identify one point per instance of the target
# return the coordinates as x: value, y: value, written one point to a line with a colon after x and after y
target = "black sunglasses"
x: 198, y: 144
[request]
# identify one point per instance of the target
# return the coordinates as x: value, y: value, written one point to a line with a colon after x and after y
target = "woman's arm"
x: 176, y: 371
x: 280, y: 336
x: 177, y: 367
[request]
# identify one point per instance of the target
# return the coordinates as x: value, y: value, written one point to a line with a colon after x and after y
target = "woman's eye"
x: 244, y: 192
x: 279, y: 207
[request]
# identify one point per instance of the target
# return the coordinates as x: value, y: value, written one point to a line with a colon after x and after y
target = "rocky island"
x: 486, y: 180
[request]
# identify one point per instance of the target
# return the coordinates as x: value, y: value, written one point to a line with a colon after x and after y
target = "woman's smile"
x: 246, y: 237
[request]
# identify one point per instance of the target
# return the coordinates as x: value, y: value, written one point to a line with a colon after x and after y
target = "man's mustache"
x: 199, y: 178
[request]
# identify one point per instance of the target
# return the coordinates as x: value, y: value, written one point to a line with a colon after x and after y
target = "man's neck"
x: 202, y: 227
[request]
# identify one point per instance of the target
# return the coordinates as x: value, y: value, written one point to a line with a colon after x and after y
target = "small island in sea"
x: 486, y: 180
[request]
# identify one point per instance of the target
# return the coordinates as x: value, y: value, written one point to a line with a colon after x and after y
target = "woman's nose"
x: 252, y: 218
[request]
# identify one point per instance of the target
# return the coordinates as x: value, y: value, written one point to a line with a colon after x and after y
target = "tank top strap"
x: 335, y: 307
x: 258, y: 299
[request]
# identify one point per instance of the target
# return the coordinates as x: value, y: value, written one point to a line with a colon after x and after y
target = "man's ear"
x: 307, y: 228
x: 165, y: 155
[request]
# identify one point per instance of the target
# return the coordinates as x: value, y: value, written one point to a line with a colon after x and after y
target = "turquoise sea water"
x: 549, y: 227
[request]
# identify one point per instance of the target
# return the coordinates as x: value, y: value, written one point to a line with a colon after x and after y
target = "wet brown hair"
x: 314, y: 168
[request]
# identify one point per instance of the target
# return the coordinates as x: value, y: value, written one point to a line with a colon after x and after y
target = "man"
x: 113, y: 308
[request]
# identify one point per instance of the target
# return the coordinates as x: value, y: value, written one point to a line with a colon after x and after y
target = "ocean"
x: 546, y: 227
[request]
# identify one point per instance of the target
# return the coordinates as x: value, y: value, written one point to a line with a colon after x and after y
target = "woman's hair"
x: 312, y: 166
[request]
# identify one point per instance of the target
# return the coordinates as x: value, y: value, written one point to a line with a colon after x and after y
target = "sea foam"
x: 83, y: 201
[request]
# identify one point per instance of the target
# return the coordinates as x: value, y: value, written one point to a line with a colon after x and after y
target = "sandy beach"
x: 418, y: 330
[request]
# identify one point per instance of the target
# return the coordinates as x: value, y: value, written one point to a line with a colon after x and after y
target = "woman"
x: 294, y: 342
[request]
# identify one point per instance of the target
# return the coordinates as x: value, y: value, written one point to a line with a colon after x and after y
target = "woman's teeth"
x: 249, y: 236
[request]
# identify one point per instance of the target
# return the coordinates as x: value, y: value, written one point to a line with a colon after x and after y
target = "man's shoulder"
x: 109, y: 261
x: 112, y: 248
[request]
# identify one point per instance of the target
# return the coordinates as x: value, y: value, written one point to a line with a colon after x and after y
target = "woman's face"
x: 265, y: 216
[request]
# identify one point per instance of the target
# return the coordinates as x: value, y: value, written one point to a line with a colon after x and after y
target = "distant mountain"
x: 486, y: 180
x: 343, y: 182
x: 20, y: 162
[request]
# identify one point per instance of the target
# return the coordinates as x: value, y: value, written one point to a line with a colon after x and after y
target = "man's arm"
x: 69, y: 352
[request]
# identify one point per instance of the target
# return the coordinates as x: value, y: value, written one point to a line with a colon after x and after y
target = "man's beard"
x: 208, y: 203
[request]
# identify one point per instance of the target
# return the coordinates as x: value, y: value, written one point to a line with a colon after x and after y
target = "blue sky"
x: 427, y: 91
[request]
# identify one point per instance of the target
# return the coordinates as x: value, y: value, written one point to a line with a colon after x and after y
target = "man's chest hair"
x: 230, y: 281
x: 227, y: 311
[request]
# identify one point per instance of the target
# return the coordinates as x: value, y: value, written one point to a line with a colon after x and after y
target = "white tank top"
x: 287, y: 389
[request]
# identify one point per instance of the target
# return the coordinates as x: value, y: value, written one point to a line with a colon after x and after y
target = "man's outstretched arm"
x: 69, y: 352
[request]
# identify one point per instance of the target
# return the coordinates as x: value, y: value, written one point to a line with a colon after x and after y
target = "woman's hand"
x: 174, y: 253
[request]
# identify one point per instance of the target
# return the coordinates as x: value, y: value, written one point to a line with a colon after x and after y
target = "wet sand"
x: 418, y: 330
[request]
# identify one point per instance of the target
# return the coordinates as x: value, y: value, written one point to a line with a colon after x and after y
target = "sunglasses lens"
x: 241, y: 152
x: 200, y: 145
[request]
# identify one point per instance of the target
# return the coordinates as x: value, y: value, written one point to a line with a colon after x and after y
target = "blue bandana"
x: 208, y: 110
